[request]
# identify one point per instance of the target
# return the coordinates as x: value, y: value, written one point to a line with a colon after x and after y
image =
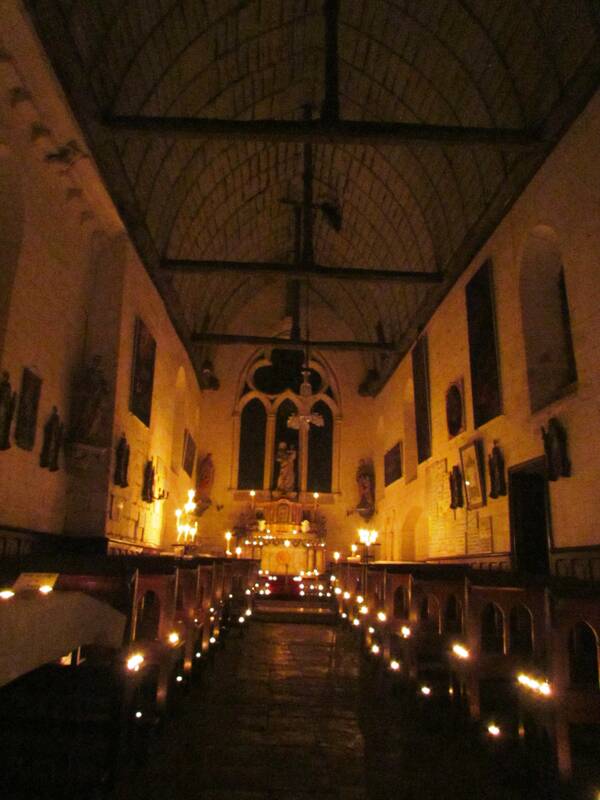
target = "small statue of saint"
x: 148, y: 482
x: 497, y: 473
x: 53, y: 437
x: 122, y: 462
x: 555, y: 447
x: 90, y: 396
x: 365, y: 482
x: 205, y: 477
x: 286, y: 481
x: 456, y: 488
x: 8, y: 401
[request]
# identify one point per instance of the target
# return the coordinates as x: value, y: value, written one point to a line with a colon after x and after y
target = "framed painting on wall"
x: 392, y: 464
x: 142, y: 372
x: 471, y: 458
x: 29, y: 398
x: 189, y: 452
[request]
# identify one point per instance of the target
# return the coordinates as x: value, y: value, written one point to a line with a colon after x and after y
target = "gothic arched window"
x: 320, y: 450
x: 293, y: 409
x: 253, y: 430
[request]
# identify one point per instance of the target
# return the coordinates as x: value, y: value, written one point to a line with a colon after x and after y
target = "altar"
x: 287, y: 536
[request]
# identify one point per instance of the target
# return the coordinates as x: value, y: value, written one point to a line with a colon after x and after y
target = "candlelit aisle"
x: 277, y: 719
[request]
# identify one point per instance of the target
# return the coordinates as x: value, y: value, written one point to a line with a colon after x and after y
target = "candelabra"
x: 186, y: 529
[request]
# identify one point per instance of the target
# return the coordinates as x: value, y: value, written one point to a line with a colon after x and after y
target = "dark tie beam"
x: 300, y: 271
x: 292, y: 344
x: 321, y: 131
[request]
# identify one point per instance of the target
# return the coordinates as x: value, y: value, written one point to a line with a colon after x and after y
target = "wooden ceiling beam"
x: 321, y: 131
x: 301, y: 271
x: 291, y: 344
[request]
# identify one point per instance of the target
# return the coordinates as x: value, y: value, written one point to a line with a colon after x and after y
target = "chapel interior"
x: 300, y: 399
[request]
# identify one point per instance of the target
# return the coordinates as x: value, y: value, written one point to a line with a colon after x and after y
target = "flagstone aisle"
x: 293, y: 711
x: 277, y: 720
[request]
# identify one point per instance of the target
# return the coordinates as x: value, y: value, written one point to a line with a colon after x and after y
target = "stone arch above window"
x: 550, y: 358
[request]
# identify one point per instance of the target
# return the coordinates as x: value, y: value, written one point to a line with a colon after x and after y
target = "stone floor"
x: 292, y: 711
x: 277, y: 719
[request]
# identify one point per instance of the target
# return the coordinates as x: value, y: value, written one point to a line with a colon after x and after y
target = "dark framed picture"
x: 483, y: 346
x: 392, y: 464
x: 471, y: 459
x: 455, y: 408
x: 29, y: 398
x: 189, y: 452
x: 142, y: 372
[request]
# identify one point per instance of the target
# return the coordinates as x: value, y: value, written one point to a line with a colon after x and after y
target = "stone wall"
x: 564, y: 198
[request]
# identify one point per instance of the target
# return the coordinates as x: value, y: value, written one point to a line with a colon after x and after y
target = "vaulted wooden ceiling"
x: 519, y: 69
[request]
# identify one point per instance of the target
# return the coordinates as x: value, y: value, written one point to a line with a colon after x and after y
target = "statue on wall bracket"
x: 148, y: 482
x: 555, y: 447
x: 365, y: 482
x: 122, y: 463
x: 53, y: 439
x: 205, y: 477
x: 456, y: 488
x: 497, y: 472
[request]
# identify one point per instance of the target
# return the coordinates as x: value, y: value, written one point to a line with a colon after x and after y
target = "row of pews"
x: 517, y: 655
x: 73, y: 724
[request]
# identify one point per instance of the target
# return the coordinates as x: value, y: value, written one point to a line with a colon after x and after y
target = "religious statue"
x: 497, y: 475
x: 53, y: 438
x: 89, y: 401
x: 205, y: 477
x: 122, y: 462
x: 286, y: 482
x: 207, y: 378
x: 148, y: 482
x: 365, y: 481
x: 456, y: 488
x: 555, y: 447
x: 8, y: 401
